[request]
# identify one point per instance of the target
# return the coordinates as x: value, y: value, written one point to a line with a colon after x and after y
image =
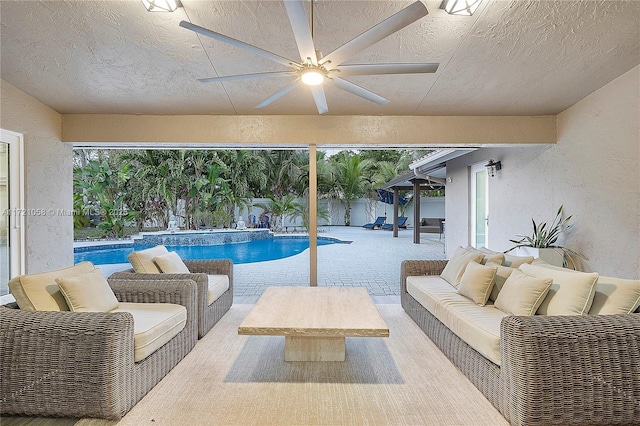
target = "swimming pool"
x: 242, y: 252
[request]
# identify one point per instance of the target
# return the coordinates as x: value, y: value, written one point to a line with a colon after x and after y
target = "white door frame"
x: 16, y: 204
x: 476, y: 168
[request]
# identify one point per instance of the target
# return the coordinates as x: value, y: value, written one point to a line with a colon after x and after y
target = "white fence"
x: 362, y: 211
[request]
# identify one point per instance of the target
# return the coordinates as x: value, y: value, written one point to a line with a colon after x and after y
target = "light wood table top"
x: 315, y: 311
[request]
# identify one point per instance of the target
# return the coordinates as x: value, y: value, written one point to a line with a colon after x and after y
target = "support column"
x: 416, y: 211
x: 395, y: 211
x: 313, y: 217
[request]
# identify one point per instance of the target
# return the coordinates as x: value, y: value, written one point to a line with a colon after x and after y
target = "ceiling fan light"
x: 460, y: 7
x: 161, y: 5
x: 311, y: 77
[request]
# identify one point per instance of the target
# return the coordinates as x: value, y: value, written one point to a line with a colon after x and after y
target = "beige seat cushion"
x: 522, y: 294
x: 218, y: 284
x: 478, y: 326
x: 154, y: 324
x: 476, y: 282
x: 571, y: 292
x: 88, y: 292
x: 142, y: 261
x: 171, y: 263
x: 452, y: 272
x: 40, y: 292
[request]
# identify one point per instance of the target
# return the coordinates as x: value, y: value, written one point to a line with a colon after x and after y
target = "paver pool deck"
x: 372, y: 260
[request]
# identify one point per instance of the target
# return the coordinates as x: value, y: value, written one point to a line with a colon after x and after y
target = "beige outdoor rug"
x: 243, y: 380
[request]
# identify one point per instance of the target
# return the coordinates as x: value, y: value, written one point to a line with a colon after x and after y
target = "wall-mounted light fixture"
x: 460, y: 7
x: 161, y: 5
x: 493, y: 167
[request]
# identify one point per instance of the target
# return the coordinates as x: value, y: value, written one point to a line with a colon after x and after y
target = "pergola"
x: 411, y: 181
x: 427, y: 173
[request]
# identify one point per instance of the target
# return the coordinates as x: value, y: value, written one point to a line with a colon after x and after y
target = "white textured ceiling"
x: 521, y: 57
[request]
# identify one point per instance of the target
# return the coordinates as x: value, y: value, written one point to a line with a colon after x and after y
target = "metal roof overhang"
x: 430, y: 170
x: 406, y: 181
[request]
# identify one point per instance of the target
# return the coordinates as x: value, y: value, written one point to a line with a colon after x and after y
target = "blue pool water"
x: 244, y: 252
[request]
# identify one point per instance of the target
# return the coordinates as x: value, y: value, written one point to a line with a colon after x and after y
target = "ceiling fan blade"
x: 301, y: 30
x: 319, y: 98
x: 358, y: 91
x: 248, y: 76
x: 394, y: 23
x: 279, y: 94
x: 376, y: 69
x: 239, y: 44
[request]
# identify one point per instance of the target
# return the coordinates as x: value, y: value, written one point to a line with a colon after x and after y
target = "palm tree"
x: 245, y: 174
x: 352, y: 178
x: 279, y: 208
x: 284, y: 172
x: 301, y: 210
x: 105, y: 191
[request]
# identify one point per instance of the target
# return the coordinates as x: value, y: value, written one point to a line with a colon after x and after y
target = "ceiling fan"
x: 314, y: 69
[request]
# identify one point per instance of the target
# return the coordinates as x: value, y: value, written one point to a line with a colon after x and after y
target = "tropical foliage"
x: 206, y: 187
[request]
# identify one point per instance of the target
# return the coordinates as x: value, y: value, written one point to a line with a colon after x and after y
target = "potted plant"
x: 542, y: 242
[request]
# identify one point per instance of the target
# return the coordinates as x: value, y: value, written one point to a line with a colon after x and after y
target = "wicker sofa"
x: 81, y: 364
x: 553, y: 369
x: 208, y: 314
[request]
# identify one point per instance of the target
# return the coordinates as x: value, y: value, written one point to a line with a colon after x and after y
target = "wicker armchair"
x: 81, y: 364
x: 208, y: 315
x: 564, y: 370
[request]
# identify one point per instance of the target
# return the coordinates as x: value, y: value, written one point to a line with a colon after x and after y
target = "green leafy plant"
x: 546, y: 236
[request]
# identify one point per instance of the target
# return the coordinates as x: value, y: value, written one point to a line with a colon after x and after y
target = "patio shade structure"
x: 417, y: 183
x: 428, y: 172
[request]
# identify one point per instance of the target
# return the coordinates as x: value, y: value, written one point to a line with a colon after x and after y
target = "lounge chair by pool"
x: 402, y: 223
x: 378, y: 223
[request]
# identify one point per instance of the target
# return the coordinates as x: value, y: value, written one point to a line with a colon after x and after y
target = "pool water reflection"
x: 242, y: 252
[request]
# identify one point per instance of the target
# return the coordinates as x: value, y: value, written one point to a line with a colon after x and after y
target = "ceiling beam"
x: 270, y: 131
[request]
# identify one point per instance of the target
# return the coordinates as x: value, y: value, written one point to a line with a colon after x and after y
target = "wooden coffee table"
x: 314, y: 320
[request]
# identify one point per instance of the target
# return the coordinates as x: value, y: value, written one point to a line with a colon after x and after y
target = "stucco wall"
x: 593, y: 171
x: 48, y: 178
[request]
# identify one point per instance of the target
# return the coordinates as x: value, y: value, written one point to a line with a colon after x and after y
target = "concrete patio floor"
x: 372, y: 260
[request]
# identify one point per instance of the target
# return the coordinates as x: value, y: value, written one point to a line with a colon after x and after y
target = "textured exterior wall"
x: 594, y: 171
x: 48, y: 178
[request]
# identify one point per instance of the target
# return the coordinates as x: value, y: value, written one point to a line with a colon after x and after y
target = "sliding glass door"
x: 11, y: 209
x: 5, y: 263
x: 479, y: 206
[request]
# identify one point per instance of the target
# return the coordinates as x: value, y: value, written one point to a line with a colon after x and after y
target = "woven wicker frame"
x: 208, y: 315
x: 80, y: 364
x: 556, y: 370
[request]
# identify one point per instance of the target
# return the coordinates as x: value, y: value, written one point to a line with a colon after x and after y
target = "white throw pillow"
x: 612, y: 295
x: 452, y: 272
x: 522, y: 294
x: 476, y: 282
x: 171, y: 263
x: 571, y: 292
x: 142, y: 261
x: 489, y: 255
x: 88, y: 292
x: 615, y: 296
